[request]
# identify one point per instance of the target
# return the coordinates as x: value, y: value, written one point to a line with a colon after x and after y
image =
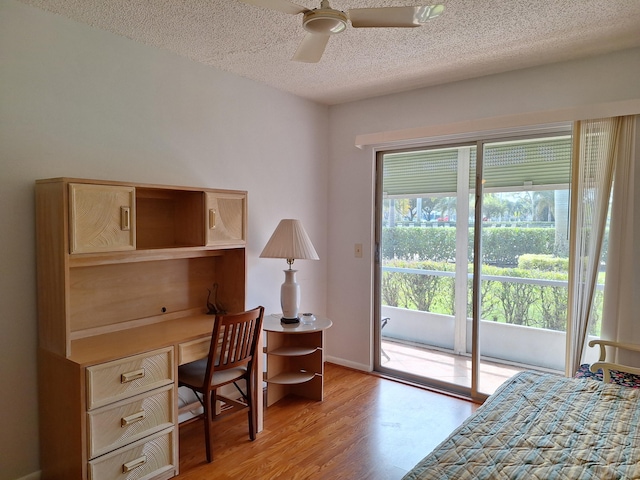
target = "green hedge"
x: 427, y: 293
x: 507, y: 251
x: 544, y: 263
x: 503, y: 246
x: 541, y: 306
x: 436, y: 244
x: 500, y: 245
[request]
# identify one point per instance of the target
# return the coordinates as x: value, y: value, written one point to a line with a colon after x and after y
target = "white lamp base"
x: 290, y: 297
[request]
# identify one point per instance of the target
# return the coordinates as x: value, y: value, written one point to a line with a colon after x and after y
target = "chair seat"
x: 192, y: 374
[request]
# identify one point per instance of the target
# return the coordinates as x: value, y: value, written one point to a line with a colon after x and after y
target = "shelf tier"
x: 295, y: 351
x: 290, y: 378
x: 147, y: 255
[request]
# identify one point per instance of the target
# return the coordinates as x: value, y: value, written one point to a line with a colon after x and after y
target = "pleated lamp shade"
x: 290, y: 241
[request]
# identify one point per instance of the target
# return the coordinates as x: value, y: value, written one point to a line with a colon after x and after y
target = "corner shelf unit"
x: 295, y: 359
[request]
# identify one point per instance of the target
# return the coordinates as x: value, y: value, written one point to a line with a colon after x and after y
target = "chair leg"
x: 250, y: 399
x: 209, y: 413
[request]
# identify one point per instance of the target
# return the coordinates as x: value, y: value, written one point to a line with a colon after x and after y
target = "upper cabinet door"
x: 226, y: 218
x: 102, y: 218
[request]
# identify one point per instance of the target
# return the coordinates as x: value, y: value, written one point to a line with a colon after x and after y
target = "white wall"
x: 76, y: 101
x: 552, y: 90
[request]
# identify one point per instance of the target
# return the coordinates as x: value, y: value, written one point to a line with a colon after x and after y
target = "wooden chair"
x: 232, y: 357
x: 632, y: 373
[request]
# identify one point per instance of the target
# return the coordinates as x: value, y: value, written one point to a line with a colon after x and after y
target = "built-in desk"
x: 126, y: 273
x: 100, y: 367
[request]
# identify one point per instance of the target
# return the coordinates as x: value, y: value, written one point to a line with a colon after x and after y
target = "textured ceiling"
x: 472, y: 38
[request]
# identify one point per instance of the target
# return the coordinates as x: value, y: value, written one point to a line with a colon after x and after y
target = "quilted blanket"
x: 545, y: 427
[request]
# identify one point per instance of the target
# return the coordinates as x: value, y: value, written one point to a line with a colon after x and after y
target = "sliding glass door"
x: 445, y: 317
x: 524, y: 257
x: 426, y: 265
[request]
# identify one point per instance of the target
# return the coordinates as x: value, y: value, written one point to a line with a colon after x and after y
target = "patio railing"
x: 536, y: 347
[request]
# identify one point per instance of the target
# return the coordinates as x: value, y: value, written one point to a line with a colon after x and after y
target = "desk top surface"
x: 272, y: 323
x: 109, y: 346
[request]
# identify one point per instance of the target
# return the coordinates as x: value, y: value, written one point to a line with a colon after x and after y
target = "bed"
x: 544, y: 426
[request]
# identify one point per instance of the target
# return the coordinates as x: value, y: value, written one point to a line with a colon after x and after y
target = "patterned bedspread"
x: 546, y: 427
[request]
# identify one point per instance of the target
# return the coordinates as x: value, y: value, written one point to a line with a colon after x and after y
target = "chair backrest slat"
x: 234, y: 340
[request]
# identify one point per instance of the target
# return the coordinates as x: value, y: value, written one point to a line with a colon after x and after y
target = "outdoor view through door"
x: 426, y: 233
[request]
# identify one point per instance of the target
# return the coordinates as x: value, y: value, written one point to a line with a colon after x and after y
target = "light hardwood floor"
x: 367, y: 428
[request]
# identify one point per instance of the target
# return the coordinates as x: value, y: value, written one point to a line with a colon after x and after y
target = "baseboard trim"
x: 349, y: 364
x: 31, y: 476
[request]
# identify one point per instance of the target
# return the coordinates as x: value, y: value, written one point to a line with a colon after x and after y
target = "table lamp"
x: 290, y: 241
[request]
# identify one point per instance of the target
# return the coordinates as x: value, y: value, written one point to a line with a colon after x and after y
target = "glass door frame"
x: 479, y: 141
x: 377, y: 331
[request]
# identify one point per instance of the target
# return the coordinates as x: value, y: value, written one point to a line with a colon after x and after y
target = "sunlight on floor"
x: 444, y: 366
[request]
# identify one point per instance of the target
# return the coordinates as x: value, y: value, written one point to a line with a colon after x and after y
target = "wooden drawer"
x: 117, y: 380
x: 193, y: 350
x: 114, y: 426
x: 141, y: 460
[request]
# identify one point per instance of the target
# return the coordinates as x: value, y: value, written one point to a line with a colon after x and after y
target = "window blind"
x: 537, y: 162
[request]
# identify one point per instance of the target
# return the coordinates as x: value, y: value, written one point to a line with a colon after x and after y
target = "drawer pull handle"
x: 133, y: 418
x: 212, y: 219
x: 125, y: 218
x: 138, y: 462
x: 131, y: 376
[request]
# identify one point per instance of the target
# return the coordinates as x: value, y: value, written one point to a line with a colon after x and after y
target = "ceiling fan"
x: 321, y: 23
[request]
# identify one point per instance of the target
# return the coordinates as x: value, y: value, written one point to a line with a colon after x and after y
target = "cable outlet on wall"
x: 358, y: 250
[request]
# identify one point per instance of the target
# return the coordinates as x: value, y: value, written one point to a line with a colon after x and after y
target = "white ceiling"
x: 472, y: 38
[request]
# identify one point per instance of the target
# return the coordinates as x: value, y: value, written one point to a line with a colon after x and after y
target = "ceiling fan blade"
x: 311, y: 48
x: 284, y: 6
x: 393, y: 16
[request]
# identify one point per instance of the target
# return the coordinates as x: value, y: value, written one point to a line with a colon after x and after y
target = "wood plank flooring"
x: 367, y: 427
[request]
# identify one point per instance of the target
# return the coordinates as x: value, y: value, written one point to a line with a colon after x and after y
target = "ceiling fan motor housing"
x: 325, y: 21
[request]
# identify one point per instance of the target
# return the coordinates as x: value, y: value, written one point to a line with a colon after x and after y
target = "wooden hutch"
x: 124, y: 272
